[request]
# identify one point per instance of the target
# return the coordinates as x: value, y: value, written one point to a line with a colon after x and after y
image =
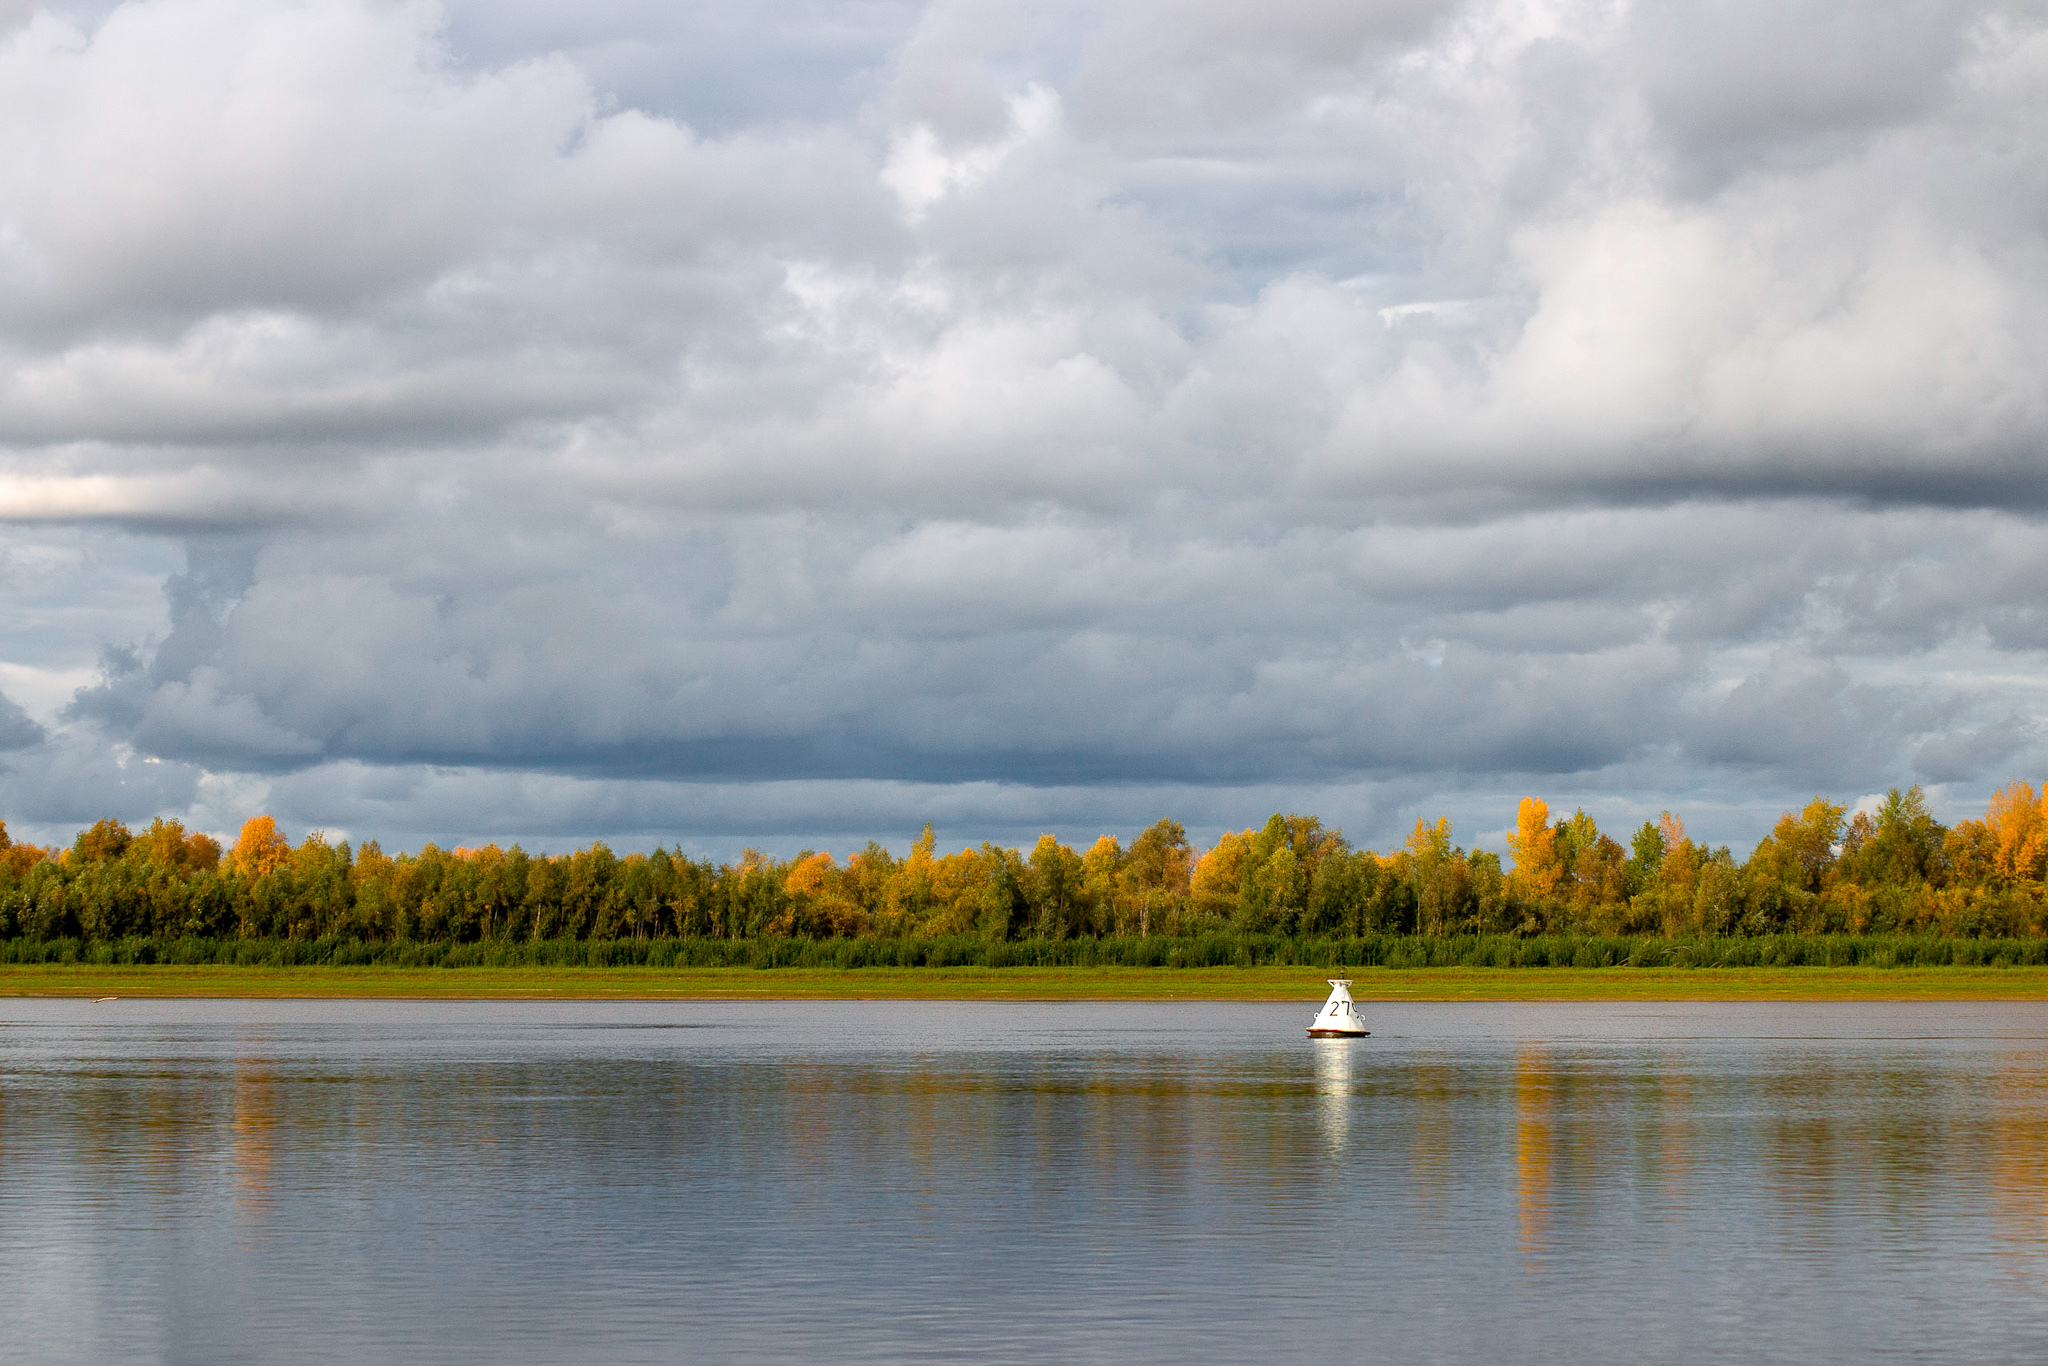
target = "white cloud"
x: 1049, y: 409
x: 921, y: 172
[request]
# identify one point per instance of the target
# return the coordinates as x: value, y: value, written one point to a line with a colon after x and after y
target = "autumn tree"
x: 2018, y: 821
x: 867, y: 879
x: 163, y: 844
x: 1057, y: 889
x: 320, y: 894
x: 1219, y: 873
x: 1890, y: 867
x: 1534, y: 844
x: 815, y: 900
x: 1971, y: 855
x: 1273, y: 882
x: 1599, y: 891
x: 1438, y: 875
x: 1663, y: 869
x: 1159, y: 868
x: 1430, y: 841
x: 959, y: 892
x: 169, y: 846
x: 1800, y: 850
x: 1681, y: 855
x: 259, y: 849
x: 1102, y: 877
x: 908, y: 894
x: 105, y: 841
x: 1903, y: 844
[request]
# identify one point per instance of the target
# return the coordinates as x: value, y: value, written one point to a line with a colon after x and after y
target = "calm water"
x: 228, y: 1181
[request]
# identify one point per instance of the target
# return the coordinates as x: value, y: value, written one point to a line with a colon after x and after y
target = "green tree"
x: 1645, y: 859
x: 1056, y: 887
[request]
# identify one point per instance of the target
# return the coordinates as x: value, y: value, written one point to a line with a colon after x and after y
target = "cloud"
x: 1046, y: 410
x: 922, y: 173
x: 18, y: 730
x: 1985, y: 752
x: 1792, y: 84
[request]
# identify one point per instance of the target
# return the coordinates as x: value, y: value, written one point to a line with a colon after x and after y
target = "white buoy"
x: 1339, y: 1018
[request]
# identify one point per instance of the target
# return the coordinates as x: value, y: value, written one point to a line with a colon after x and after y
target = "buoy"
x: 1339, y: 1018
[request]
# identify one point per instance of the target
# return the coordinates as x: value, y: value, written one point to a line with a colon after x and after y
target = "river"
x: 362, y: 1181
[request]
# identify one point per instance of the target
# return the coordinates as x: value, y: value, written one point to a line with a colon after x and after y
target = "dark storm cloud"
x: 1986, y: 752
x: 1803, y: 715
x: 18, y: 729
x: 632, y: 418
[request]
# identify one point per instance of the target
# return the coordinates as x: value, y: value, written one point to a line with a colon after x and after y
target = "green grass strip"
x: 1273, y: 983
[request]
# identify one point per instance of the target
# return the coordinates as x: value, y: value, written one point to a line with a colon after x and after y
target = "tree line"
x: 1820, y: 871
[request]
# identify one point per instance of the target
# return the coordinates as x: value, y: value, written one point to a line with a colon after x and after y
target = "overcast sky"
x: 786, y: 423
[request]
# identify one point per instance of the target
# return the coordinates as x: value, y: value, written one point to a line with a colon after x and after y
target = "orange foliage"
x: 1673, y: 831
x: 2020, y: 826
x: 809, y: 876
x: 259, y: 849
x: 19, y: 858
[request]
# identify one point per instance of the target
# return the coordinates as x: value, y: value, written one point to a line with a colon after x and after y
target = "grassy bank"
x: 1277, y: 983
x: 1337, y: 956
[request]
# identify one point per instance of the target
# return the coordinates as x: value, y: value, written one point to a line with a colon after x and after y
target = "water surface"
x: 856, y: 1181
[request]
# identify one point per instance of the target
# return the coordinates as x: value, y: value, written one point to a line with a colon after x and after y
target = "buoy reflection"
x: 1333, y: 1088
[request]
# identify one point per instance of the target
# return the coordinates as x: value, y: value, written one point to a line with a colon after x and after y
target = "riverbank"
x: 1032, y: 984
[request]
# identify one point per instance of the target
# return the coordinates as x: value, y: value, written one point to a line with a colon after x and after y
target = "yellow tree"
x: 163, y: 844
x: 2020, y: 829
x: 908, y: 894
x: 1681, y: 870
x: 1800, y: 850
x: 1430, y: 841
x: 1534, y: 845
x: 259, y: 849
x: 818, y: 898
x: 1102, y: 878
x: 1971, y: 851
x: 1441, y: 880
x: 1219, y: 873
x: 959, y: 884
